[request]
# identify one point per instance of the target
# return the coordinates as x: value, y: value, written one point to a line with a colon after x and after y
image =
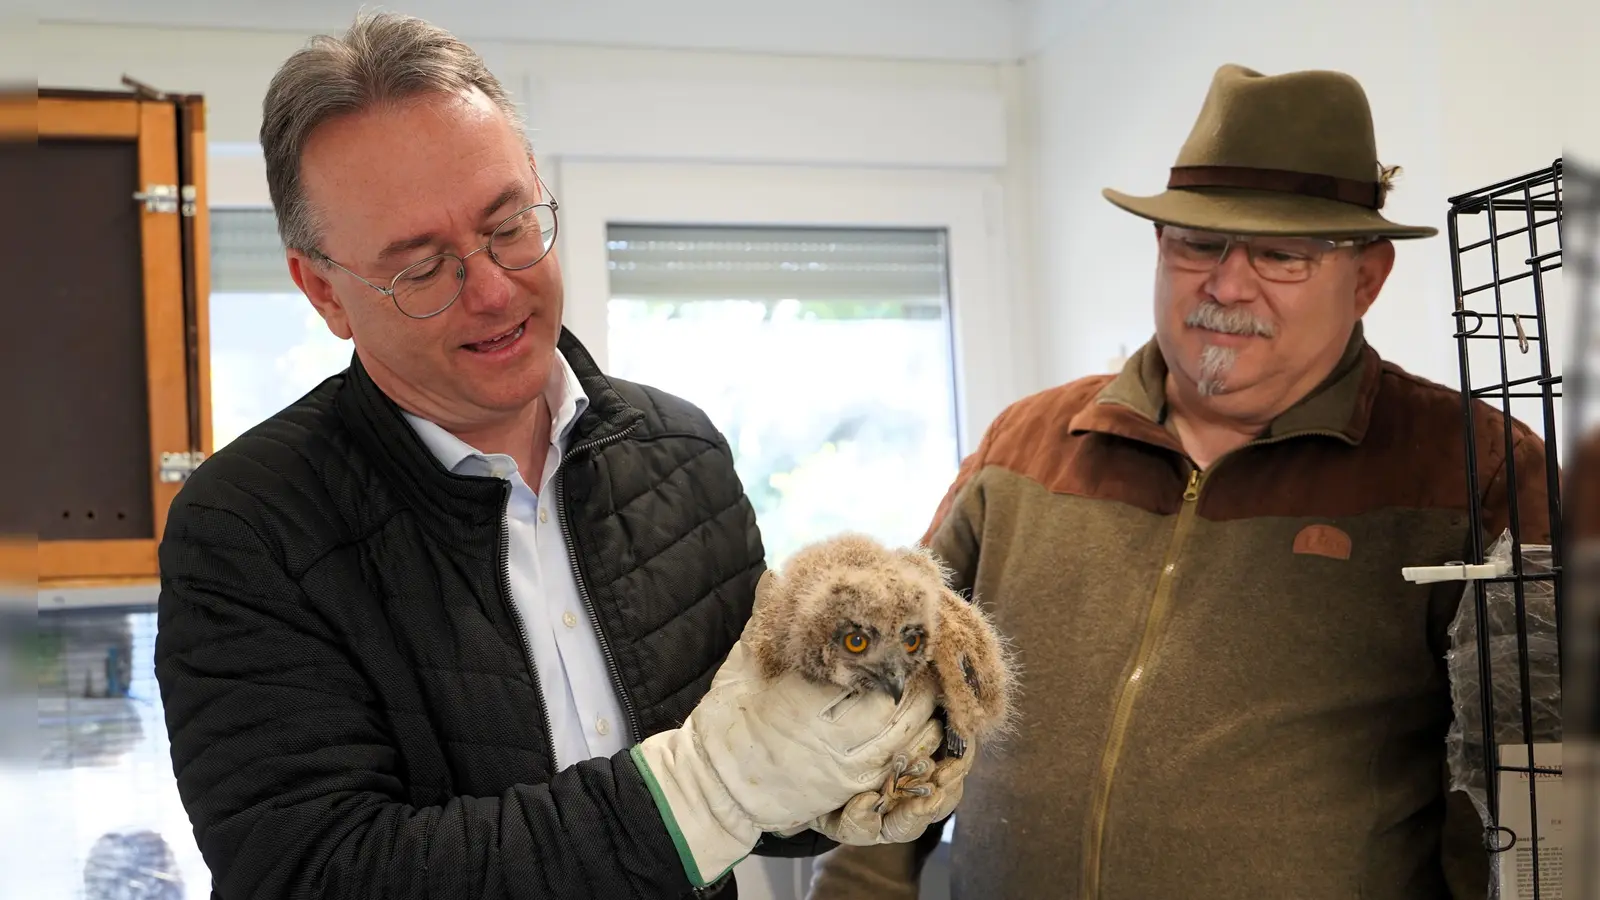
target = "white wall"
x: 1464, y: 93
x: 965, y: 30
x: 606, y: 102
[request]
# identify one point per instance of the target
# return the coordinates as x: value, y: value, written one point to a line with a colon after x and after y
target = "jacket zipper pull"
x: 1192, y: 492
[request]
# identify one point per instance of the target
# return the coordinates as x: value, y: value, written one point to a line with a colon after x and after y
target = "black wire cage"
x: 1510, y: 641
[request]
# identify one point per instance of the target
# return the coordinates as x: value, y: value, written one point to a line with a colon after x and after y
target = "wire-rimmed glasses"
x: 1282, y: 259
x: 430, y: 286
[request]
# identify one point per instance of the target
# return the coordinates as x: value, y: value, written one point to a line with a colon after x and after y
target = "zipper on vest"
x: 1155, y: 622
x: 635, y: 728
x: 522, y: 630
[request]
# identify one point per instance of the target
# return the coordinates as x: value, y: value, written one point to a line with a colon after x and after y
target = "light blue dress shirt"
x: 586, y: 717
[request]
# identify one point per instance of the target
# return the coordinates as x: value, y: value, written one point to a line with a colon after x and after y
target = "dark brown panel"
x: 74, y: 342
x: 22, y: 447
x: 48, y: 93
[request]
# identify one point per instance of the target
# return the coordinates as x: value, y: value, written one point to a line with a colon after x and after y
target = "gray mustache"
x: 1216, y: 317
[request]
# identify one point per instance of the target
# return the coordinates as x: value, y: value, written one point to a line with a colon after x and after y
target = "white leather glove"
x: 859, y: 824
x: 768, y: 756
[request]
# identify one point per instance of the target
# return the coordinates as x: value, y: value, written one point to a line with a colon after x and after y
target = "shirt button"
x: 603, y: 727
x: 544, y: 515
x: 569, y: 620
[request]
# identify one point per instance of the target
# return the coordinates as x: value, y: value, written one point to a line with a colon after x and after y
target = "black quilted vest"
x: 352, y: 709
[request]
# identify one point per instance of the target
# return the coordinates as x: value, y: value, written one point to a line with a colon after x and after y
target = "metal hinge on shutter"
x: 179, y: 466
x: 164, y: 198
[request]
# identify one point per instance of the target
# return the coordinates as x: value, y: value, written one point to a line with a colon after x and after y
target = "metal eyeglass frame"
x: 1248, y: 243
x: 461, y: 261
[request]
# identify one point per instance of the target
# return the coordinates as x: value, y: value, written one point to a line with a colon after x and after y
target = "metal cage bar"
x: 1518, y: 215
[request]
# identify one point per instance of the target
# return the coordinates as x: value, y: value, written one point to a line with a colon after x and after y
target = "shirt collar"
x: 564, y: 395
x: 1133, y: 403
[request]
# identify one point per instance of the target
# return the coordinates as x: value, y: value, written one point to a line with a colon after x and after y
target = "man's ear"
x: 1372, y: 270
x: 310, y: 276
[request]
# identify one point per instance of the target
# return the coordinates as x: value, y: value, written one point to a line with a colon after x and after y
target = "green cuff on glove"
x: 680, y: 840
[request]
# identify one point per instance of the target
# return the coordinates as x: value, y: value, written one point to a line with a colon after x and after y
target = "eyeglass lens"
x: 1275, y: 258
x: 428, y: 286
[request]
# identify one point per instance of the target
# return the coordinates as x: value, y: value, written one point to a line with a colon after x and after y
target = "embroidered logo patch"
x: 1323, y: 540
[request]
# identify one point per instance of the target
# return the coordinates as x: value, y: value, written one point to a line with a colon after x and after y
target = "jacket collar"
x: 566, y: 401
x: 1132, y: 404
x: 380, y: 428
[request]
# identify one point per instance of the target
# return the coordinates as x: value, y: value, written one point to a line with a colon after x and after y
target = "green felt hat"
x: 1290, y: 154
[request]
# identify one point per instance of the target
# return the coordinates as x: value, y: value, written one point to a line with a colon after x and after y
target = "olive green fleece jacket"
x: 1228, y: 689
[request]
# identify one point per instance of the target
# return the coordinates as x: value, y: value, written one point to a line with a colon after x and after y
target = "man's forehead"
x: 441, y: 215
x: 388, y: 225
x: 412, y: 137
x: 434, y: 163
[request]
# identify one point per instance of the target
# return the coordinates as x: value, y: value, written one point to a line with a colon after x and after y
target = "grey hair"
x: 383, y: 58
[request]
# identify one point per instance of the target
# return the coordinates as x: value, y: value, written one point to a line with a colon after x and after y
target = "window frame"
x: 992, y: 360
x: 989, y: 366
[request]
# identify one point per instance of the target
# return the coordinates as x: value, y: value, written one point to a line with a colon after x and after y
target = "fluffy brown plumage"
x: 977, y: 674
x: 850, y: 611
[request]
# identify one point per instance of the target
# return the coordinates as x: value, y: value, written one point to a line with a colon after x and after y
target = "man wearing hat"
x: 1229, y: 690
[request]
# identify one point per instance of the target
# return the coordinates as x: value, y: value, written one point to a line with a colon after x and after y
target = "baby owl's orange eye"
x: 855, y: 642
x: 913, y: 643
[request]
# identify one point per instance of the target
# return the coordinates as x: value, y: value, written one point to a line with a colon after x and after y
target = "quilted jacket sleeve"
x: 294, y: 787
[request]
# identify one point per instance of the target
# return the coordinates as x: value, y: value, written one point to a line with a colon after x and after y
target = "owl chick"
x: 852, y: 612
x: 847, y: 611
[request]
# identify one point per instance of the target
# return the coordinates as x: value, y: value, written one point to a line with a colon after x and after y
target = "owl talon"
x: 955, y: 746
x: 888, y: 788
x: 908, y: 782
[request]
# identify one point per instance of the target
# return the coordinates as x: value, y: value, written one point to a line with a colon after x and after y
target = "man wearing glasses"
x: 1231, y: 691
x: 462, y: 622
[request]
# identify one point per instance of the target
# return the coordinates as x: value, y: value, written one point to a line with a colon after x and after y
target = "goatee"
x: 1215, y: 363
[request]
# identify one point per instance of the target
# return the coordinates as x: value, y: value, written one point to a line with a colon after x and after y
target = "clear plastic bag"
x: 1465, y: 739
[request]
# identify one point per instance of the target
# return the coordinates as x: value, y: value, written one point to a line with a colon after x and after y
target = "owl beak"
x: 892, y: 682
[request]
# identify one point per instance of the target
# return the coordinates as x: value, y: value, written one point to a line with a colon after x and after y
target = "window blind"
x: 770, y: 264
x: 246, y: 255
x: 674, y: 262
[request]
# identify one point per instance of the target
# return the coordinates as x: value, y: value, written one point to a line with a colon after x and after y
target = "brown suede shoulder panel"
x: 1583, y: 487
x: 1412, y: 456
x: 1403, y: 448
x: 1127, y: 458
x: 1033, y: 438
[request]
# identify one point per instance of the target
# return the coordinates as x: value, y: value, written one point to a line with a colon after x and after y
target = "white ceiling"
x: 950, y: 30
